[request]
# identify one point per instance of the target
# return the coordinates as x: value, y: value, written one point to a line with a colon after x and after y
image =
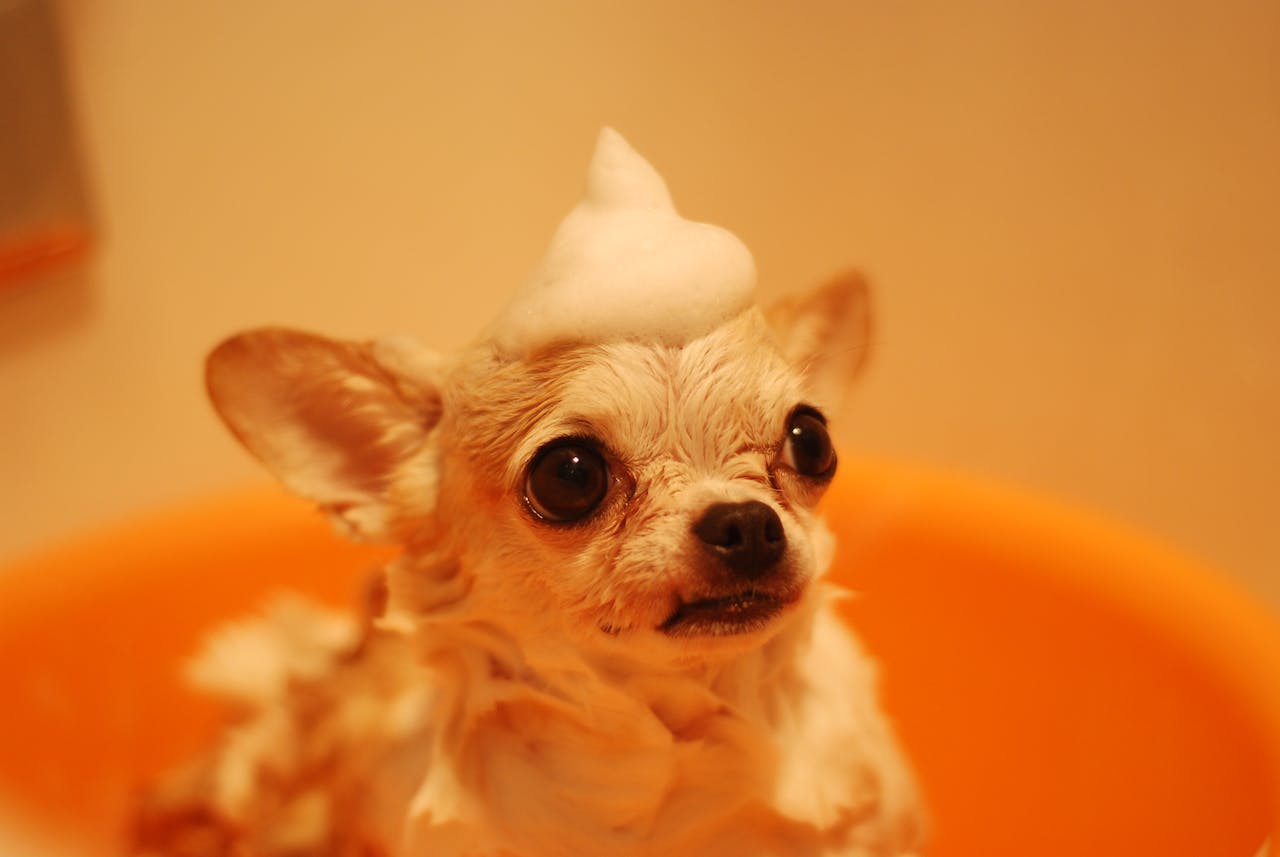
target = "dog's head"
x: 657, y: 495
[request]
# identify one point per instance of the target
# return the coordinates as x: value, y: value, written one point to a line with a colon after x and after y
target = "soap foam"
x: 624, y: 265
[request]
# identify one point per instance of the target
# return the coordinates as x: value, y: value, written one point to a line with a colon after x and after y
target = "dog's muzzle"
x: 746, y: 543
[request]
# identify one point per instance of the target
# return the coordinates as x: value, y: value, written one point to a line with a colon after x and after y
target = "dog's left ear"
x: 347, y: 425
x: 826, y: 334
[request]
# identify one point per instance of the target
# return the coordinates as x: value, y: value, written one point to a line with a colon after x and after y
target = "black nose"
x: 747, y: 537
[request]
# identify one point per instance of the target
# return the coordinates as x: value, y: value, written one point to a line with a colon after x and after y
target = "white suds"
x: 255, y: 659
x: 624, y: 265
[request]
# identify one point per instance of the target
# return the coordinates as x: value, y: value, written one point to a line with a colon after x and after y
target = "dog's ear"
x: 336, y: 422
x: 826, y: 334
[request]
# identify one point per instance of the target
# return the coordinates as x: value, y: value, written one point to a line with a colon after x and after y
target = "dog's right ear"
x: 335, y: 421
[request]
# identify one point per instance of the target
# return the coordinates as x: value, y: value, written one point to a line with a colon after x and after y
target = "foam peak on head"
x: 625, y: 266
x: 618, y: 176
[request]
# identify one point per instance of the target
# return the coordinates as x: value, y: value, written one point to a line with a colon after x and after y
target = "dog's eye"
x: 566, y: 481
x: 808, y: 450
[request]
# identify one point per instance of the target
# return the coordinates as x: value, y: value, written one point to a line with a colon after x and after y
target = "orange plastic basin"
x: 1064, y: 688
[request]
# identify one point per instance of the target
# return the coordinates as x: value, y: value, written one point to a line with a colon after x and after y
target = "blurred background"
x: 1070, y: 213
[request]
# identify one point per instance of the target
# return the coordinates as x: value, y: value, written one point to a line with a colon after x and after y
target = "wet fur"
x: 516, y: 696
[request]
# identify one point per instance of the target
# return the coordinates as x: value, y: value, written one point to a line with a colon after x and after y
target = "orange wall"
x: 1071, y: 212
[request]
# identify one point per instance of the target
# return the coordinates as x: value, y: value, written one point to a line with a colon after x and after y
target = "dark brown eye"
x: 566, y: 481
x: 808, y: 450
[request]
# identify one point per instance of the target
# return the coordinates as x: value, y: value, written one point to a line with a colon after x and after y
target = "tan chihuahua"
x: 607, y: 632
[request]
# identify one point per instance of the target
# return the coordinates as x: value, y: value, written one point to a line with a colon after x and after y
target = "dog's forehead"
x: 702, y: 404
x: 720, y: 395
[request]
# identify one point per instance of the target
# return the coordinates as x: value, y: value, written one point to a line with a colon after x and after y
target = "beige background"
x: 1071, y: 212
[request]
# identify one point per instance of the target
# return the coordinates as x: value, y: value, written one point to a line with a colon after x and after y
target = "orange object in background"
x: 1063, y: 687
x: 33, y: 253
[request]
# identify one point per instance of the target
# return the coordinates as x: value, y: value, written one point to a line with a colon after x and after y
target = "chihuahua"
x: 607, y: 630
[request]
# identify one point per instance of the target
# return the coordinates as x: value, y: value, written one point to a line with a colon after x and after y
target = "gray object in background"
x: 44, y: 218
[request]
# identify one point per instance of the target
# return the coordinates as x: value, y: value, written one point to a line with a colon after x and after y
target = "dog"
x: 607, y: 630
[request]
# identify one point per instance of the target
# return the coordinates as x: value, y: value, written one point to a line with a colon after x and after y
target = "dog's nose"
x: 747, y: 537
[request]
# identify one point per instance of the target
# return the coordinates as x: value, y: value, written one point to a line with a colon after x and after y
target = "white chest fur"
x: 782, y: 751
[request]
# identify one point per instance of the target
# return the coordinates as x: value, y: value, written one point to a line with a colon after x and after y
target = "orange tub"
x: 1065, y: 688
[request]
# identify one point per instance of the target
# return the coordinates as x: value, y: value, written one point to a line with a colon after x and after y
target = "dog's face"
x: 655, y: 498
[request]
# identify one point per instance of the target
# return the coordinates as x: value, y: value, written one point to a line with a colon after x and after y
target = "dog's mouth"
x: 740, y: 613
